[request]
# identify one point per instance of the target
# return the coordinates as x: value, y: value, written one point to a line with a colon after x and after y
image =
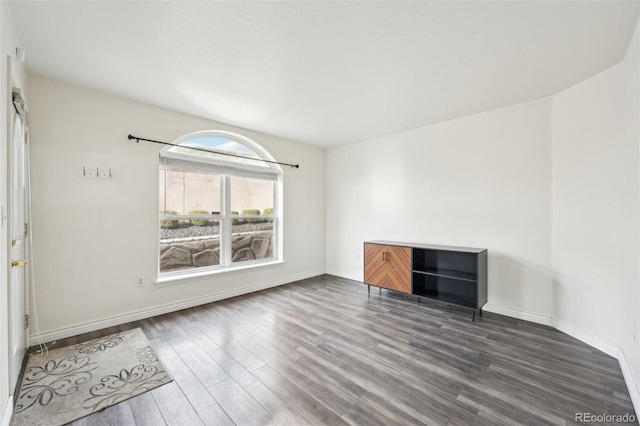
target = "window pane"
x: 251, y: 196
x: 251, y: 239
x: 241, y: 153
x: 189, y: 192
x: 185, y: 245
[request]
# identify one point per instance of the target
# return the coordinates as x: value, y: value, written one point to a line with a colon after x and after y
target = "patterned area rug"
x: 72, y: 382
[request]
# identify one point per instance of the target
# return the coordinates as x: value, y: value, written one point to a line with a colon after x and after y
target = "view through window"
x: 216, y: 211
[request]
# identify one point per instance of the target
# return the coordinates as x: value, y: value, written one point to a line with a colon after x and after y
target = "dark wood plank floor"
x: 323, y: 352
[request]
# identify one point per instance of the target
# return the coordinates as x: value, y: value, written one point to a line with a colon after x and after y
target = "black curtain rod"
x: 295, y: 166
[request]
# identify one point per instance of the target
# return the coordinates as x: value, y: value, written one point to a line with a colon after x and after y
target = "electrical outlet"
x: 140, y: 282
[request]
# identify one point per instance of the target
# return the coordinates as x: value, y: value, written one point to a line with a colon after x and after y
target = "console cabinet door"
x: 375, y: 265
x: 388, y: 267
x: 398, y: 268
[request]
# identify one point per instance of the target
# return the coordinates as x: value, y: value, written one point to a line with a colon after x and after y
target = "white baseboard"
x: 596, y: 342
x: 344, y: 275
x: 7, y: 413
x: 632, y: 386
x: 610, y: 349
x: 87, y: 327
x: 513, y: 313
x: 605, y: 346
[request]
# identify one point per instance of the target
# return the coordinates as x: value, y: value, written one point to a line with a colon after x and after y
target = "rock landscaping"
x: 193, y: 246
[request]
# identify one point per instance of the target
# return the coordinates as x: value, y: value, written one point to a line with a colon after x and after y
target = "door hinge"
x: 26, y: 321
x: 26, y: 229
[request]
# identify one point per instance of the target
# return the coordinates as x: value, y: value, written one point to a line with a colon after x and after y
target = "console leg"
x: 473, y: 315
x: 369, y: 289
x: 379, y: 290
x: 480, y: 311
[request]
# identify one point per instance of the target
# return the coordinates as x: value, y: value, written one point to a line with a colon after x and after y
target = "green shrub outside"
x: 168, y: 224
x: 267, y: 211
x: 252, y: 212
x: 199, y: 222
x: 235, y: 221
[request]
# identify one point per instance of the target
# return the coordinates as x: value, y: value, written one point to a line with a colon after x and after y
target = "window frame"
x: 226, y: 169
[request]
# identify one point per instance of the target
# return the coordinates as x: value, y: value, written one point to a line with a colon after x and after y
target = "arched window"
x: 220, y: 209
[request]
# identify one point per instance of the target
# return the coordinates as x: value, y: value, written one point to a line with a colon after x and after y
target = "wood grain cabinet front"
x: 388, y: 266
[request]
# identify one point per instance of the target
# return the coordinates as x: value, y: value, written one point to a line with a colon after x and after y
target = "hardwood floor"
x: 323, y: 352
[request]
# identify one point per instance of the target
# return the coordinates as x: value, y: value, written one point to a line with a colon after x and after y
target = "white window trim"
x: 194, y: 276
x: 274, y: 172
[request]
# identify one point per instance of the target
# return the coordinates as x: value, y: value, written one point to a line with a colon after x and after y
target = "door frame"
x: 11, y: 83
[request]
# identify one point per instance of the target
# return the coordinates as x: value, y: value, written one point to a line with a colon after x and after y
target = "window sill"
x: 191, y: 276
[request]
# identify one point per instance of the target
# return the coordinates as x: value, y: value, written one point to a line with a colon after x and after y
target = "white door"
x: 17, y: 233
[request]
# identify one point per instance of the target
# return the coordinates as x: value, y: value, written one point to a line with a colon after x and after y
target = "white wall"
x: 8, y: 49
x: 479, y: 181
x: 596, y: 164
x: 92, y: 238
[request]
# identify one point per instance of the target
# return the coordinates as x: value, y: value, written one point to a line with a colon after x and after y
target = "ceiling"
x: 325, y: 73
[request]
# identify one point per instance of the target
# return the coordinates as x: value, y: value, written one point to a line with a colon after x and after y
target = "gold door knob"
x: 19, y: 263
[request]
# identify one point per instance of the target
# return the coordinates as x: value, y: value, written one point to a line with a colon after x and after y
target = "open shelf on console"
x: 451, y: 290
x: 448, y: 273
x: 444, y: 262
